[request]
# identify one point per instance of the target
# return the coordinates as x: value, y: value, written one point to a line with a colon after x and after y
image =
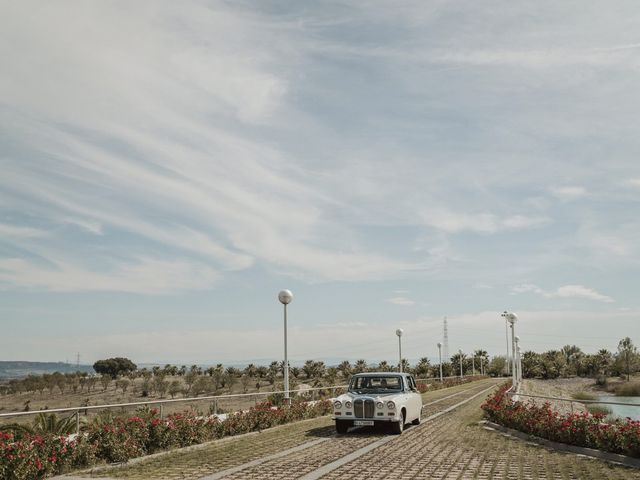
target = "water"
x: 622, y: 410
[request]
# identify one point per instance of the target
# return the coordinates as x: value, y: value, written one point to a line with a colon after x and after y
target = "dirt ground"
x: 559, y: 387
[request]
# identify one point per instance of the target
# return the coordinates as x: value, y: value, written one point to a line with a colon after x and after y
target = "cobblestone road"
x: 447, y: 447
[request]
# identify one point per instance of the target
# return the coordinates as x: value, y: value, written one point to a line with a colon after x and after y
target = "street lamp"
x: 519, y: 364
x: 506, y: 335
x: 517, y: 340
x: 399, y: 333
x: 460, y: 355
x: 512, y: 319
x: 440, y: 357
x: 285, y: 297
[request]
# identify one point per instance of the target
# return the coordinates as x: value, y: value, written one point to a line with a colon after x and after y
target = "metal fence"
x: 213, y: 400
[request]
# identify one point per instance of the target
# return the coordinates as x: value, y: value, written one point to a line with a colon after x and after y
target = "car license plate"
x: 363, y: 423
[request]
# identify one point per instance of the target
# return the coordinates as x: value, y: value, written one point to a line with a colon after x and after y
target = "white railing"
x: 213, y: 398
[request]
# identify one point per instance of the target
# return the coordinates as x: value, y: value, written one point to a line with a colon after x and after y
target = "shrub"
x: 582, y: 429
x: 603, y: 410
x: 115, y: 439
x: 583, y: 396
x: 628, y: 390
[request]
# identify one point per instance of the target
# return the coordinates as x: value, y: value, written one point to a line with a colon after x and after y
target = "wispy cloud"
x: 568, y: 192
x: 565, y: 291
x: 489, y: 223
x: 7, y: 230
x: 141, y: 275
x: 404, y: 301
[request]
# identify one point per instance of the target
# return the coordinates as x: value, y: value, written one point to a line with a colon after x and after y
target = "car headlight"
x: 391, y: 405
x: 348, y: 404
x: 337, y: 404
x: 379, y: 405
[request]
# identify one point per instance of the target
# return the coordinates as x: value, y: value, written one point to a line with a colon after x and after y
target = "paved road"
x: 448, y: 444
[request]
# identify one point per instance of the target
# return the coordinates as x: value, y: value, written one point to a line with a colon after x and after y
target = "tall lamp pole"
x: 512, y: 319
x: 285, y: 297
x: 399, y: 333
x: 440, y: 357
x: 506, y: 335
x: 460, y: 355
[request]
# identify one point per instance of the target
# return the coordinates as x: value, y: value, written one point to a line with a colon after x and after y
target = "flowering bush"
x: 35, y: 456
x: 581, y: 429
x: 119, y: 439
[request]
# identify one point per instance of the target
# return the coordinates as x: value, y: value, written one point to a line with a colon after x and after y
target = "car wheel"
x: 398, y: 427
x: 342, y: 426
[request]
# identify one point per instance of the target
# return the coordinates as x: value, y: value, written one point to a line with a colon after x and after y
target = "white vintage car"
x: 381, y: 398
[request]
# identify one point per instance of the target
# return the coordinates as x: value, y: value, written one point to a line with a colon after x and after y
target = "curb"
x: 564, y: 447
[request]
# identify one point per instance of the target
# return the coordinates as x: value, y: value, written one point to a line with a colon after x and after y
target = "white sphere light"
x: 439, y: 344
x: 511, y: 317
x: 285, y: 297
x: 517, y: 338
x: 399, y: 332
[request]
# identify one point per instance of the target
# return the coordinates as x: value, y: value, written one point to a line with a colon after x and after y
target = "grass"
x: 595, y: 408
x: 583, y: 396
x: 628, y: 390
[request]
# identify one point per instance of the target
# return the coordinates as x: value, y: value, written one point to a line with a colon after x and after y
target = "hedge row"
x: 581, y: 429
x: 29, y: 457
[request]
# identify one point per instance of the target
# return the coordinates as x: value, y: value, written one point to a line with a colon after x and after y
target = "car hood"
x: 376, y: 397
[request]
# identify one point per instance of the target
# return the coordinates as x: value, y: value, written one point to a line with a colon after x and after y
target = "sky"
x: 168, y: 167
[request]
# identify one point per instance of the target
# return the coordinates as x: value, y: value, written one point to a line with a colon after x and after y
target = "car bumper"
x: 376, y: 421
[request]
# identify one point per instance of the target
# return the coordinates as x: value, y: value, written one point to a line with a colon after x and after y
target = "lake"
x: 621, y: 410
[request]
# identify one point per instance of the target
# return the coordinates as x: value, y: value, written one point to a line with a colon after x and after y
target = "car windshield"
x: 376, y: 384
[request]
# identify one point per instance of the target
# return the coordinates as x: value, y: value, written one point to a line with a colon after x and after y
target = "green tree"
x: 114, y: 366
x: 360, y: 366
x: 627, y: 356
x: 423, y: 367
x: 497, y: 366
x: 345, y: 369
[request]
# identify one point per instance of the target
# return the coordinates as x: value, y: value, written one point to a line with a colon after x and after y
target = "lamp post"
x: 399, y: 333
x: 512, y: 319
x: 460, y: 355
x: 517, y: 340
x: 440, y: 357
x: 285, y: 297
x: 506, y: 335
x: 519, y: 364
x: 473, y: 364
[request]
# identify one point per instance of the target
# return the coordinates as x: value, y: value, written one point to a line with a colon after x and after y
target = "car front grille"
x: 363, y: 408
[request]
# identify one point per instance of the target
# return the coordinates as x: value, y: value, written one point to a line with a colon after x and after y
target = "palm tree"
x: 46, y: 424
x: 483, y: 357
x: 360, y: 366
x: 345, y: 368
x: 422, y: 367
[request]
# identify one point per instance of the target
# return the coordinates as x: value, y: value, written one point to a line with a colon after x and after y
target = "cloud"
x: 568, y: 192
x: 401, y: 301
x: 488, y: 223
x: 580, y: 291
x: 7, y: 230
x: 634, y: 182
x: 565, y: 291
x: 140, y: 275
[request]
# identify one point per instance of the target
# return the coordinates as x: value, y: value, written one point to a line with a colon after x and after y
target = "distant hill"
x: 9, y: 370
